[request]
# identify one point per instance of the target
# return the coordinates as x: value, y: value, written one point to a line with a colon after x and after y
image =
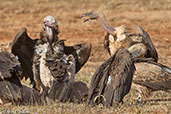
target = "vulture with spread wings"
x: 112, y: 80
x: 32, y: 53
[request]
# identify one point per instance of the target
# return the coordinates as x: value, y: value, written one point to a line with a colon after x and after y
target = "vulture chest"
x: 117, y: 44
x: 45, y: 75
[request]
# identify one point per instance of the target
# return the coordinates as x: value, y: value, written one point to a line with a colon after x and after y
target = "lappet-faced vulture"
x: 112, y: 80
x: 30, y: 51
x: 48, y: 62
x: 12, y: 91
x: 146, y: 57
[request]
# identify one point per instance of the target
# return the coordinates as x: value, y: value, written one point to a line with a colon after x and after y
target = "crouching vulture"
x: 12, y: 91
x: 112, y: 80
x: 150, y: 75
x: 47, y: 61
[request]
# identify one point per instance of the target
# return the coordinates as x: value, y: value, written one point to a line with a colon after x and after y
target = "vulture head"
x: 100, y: 17
x: 50, y: 28
x: 93, y: 15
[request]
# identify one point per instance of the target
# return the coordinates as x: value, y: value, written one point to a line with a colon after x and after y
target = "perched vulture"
x: 32, y: 53
x: 11, y: 89
x: 150, y: 75
x: 112, y: 80
x: 117, y: 37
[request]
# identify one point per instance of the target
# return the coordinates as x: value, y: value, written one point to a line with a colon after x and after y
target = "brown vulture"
x: 112, y: 80
x: 117, y: 37
x: 11, y: 89
x: 47, y: 61
x: 146, y: 57
x: 151, y: 77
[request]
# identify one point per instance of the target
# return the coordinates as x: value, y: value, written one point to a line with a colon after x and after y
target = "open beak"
x: 89, y: 15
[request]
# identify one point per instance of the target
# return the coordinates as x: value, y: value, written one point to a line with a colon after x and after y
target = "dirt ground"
x: 154, y: 16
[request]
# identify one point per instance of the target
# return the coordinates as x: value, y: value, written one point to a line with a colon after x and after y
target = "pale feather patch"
x: 120, y: 33
x: 111, y: 38
x: 120, y: 37
x: 109, y: 79
x: 42, y: 48
x: 45, y: 74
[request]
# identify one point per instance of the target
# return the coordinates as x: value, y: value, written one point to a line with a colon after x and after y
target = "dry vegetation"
x: 154, y: 16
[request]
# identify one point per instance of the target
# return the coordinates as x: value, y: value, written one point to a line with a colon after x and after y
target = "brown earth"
x: 154, y: 16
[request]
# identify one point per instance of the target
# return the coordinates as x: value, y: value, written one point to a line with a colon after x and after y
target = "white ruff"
x: 120, y: 37
x: 45, y: 74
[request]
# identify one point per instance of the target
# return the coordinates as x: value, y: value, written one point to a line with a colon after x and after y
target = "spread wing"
x: 151, y: 50
x: 23, y: 48
x: 81, y: 53
x: 112, y: 80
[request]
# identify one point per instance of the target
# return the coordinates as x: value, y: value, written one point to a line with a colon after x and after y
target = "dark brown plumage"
x: 112, y: 80
x: 10, y: 68
x: 11, y: 89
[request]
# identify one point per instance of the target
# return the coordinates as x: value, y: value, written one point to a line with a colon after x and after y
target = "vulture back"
x: 112, y: 80
x: 9, y: 68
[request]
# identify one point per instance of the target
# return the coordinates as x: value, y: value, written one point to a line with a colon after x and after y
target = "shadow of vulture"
x: 12, y: 91
x: 112, y: 80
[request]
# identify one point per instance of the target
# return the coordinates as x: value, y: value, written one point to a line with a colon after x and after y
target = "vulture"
x: 12, y: 91
x: 47, y: 61
x: 117, y: 37
x: 112, y: 80
x: 149, y: 75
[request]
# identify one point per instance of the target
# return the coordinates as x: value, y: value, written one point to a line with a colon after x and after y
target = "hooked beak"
x: 51, y: 25
x: 90, y: 16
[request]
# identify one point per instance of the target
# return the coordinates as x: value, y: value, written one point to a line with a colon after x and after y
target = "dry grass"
x: 154, y: 16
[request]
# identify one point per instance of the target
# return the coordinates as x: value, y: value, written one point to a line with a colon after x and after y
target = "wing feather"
x: 23, y: 48
x: 151, y: 50
x: 113, y: 79
x: 81, y: 53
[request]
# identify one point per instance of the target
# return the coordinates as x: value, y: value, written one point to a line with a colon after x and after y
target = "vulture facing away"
x: 112, y: 80
x: 47, y: 61
x: 150, y: 75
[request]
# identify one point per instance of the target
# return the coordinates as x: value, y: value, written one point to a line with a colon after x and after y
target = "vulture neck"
x: 52, y: 34
x: 104, y: 23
